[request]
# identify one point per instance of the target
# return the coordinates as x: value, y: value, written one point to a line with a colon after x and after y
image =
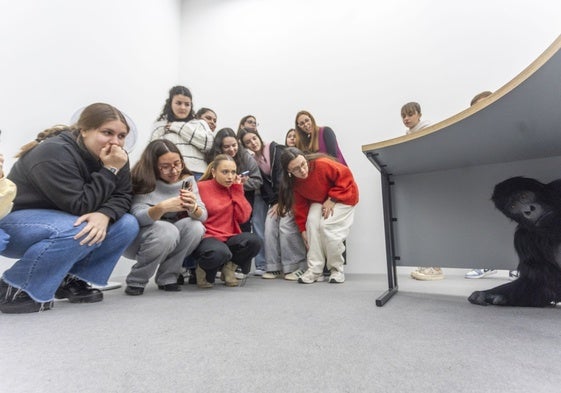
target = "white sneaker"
x: 259, y: 272
x: 479, y: 273
x: 309, y: 277
x: 272, y: 275
x: 336, y: 277
x: 294, y: 276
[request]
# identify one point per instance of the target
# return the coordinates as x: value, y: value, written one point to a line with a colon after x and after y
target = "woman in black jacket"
x: 69, y: 224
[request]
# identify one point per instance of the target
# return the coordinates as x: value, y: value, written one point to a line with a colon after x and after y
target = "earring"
x: 289, y: 174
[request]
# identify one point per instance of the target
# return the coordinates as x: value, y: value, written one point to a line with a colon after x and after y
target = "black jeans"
x: 212, y: 254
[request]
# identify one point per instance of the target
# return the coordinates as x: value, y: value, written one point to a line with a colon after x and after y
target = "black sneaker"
x: 78, y: 291
x: 16, y: 301
x: 134, y: 291
x: 170, y: 287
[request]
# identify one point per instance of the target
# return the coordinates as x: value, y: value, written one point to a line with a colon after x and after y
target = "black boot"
x: 16, y: 301
x: 78, y: 291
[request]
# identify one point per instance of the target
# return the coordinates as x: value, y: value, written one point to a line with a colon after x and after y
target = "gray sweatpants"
x: 162, y: 244
x: 284, y: 247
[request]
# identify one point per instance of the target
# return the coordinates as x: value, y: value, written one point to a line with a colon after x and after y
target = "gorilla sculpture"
x: 536, y: 207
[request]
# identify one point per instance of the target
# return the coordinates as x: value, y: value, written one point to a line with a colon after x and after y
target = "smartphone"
x: 244, y: 173
x: 187, y: 185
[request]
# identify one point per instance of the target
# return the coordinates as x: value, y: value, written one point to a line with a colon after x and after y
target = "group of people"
x: 198, y: 200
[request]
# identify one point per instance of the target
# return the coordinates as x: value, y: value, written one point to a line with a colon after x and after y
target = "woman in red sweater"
x: 224, y: 244
x: 322, y: 193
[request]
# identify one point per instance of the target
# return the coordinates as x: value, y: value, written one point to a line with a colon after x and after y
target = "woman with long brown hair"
x: 170, y: 212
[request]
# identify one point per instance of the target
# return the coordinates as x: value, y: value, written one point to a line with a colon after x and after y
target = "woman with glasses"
x: 249, y: 122
x: 69, y: 224
x: 322, y: 194
x: 170, y: 212
x: 177, y: 123
x: 313, y: 139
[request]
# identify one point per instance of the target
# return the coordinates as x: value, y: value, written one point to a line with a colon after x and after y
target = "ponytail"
x: 48, y: 133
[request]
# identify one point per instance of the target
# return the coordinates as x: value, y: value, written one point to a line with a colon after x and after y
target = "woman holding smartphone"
x: 170, y: 212
x: 224, y: 245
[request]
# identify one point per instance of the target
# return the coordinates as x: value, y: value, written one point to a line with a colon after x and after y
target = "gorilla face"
x: 525, y: 208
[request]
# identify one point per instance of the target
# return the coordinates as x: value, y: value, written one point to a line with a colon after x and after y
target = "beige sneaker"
x: 272, y: 275
x: 427, y: 274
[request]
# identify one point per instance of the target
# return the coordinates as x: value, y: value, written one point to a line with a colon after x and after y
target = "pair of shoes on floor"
x: 134, y: 291
x: 170, y: 287
x: 309, y: 277
x: 259, y: 272
x: 16, y: 301
x: 480, y: 273
x: 272, y: 275
x: 295, y: 275
x: 78, y: 291
x: 427, y: 274
x: 513, y: 274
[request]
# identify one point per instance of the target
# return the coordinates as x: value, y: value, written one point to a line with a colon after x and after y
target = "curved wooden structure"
x: 437, y: 183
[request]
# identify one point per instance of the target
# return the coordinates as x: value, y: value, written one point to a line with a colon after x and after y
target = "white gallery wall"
x: 352, y: 64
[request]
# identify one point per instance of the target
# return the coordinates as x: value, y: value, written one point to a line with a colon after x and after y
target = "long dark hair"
x: 286, y: 198
x: 93, y: 116
x: 167, y: 112
x: 243, y: 132
x: 146, y: 171
x: 216, y: 148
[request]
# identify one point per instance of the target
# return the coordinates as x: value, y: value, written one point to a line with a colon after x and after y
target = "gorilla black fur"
x: 536, y: 207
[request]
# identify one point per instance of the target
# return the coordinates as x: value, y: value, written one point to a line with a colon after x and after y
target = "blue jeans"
x: 4, y: 239
x: 44, y: 242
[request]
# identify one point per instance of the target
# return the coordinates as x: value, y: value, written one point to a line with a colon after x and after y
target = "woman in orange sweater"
x: 323, y: 193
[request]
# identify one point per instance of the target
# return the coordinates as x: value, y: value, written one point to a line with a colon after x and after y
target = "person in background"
x: 285, y: 253
x: 290, y: 138
x: 170, y: 212
x: 226, y: 142
x: 69, y: 225
x: 259, y: 206
x: 411, y: 117
x: 248, y: 122
x: 209, y: 116
x: 313, y: 139
x: 224, y: 245
x: 322, y: 194
x: 7, y: 195
x: 177, y: 124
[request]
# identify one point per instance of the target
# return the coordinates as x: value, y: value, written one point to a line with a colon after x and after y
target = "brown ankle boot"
x: 201, y: 278
x: 228, y: 276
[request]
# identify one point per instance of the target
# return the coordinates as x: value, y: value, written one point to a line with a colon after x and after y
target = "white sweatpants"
x: 326, y: 236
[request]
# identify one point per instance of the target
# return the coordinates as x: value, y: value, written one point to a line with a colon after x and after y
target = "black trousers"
x: 212, y: 254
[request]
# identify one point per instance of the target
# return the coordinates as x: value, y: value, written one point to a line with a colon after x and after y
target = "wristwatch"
x: 113, y: 170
